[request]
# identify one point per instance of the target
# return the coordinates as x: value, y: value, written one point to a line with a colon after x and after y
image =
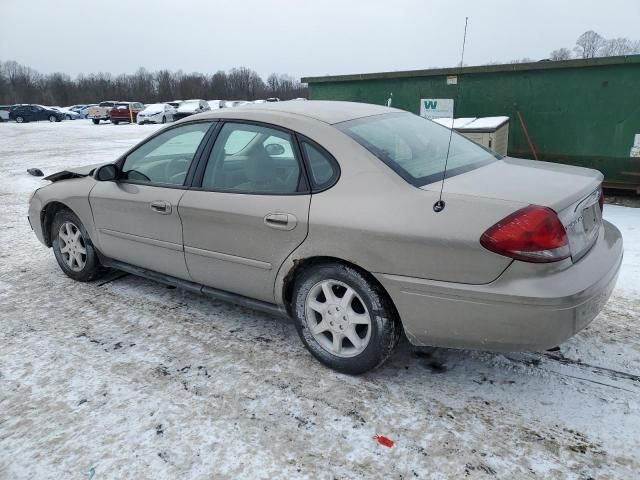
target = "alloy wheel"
x: 72, y: 246
x: 338, y: 318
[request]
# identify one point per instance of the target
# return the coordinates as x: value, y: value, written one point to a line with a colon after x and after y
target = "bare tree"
x: 589, y: 44
x: 219, y: 85
x: 619, y: 46
x: 273, y: 84
x: 560, y: 54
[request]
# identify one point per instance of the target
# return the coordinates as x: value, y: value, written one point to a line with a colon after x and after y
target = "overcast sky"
x: 299, y: 37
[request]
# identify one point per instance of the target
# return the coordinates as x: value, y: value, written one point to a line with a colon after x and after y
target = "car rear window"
x: 416, y: 148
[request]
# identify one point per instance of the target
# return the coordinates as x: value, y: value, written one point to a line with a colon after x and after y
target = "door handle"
x: 161, y: 207
x: 281, y: 221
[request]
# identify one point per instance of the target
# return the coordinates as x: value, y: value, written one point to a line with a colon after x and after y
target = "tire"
x: 115, y: 122
x: 19, y: 119
x: 53, y: 118
x: 82, y: 267
x: 95, y: 121
x: 376, y: 340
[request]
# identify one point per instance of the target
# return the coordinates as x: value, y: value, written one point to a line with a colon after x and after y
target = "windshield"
x: 189, y: 105
x: 155, y: 107
x: 416, y: 148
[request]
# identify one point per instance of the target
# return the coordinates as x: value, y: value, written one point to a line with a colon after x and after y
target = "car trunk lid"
x: 572, y: 192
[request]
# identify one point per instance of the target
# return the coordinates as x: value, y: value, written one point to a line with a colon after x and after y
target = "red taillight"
x: 601, y: 200
x: 532, y: 234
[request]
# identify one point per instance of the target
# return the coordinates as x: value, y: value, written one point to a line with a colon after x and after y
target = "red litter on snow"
x: 382, y: 440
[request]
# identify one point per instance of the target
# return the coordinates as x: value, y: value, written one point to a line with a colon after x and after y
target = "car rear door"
x: 247, y: 210
x: 137, y: 216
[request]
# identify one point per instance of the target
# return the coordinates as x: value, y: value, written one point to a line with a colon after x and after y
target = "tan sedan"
x: 328, y: 212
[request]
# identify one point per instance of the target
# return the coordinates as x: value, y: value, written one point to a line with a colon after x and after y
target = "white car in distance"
x: 68, y: 113
x: 157, y: 113
x: 191, y: 107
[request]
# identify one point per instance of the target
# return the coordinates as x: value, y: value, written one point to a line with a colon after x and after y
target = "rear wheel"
x: 344, y: 319
x: 95, y: 121
x: 73, y: 248
x: 19, y: 119
x: 53, y: 118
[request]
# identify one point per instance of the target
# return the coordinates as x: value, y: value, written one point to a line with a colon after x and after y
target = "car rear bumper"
x: 529, y: 307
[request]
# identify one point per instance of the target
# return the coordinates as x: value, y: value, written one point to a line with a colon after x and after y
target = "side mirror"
x: 274, y: 149
x: 107, y: 173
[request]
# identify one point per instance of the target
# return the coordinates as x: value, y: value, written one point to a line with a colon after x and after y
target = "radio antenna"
x: 439, y: 205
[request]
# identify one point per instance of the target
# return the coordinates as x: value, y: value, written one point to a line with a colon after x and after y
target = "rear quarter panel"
x: 376, y: 220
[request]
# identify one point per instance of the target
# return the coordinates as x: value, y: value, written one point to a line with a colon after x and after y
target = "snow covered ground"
x: 131, y: 379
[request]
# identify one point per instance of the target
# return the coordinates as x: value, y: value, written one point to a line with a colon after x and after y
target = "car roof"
x: 323, y: 110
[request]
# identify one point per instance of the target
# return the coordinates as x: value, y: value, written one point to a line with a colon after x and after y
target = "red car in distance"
x: 125, y: 112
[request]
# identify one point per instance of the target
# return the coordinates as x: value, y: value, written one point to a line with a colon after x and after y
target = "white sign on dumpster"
x: 436, y: 107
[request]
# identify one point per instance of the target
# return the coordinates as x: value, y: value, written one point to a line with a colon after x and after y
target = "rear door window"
x: 253, y: 159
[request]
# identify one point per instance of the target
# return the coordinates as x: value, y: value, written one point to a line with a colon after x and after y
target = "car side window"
x: 165, y: 159
x: 323, y: 169
x: 253, y: 159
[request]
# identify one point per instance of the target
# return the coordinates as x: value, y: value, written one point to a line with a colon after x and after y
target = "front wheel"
x: 73, y: 248
x: 20, y: 119
x: 95, y: 121
x: 115, y: 122
x: 53, y: 118
x: 344, y: 319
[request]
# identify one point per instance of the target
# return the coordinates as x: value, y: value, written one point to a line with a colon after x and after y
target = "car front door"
x: 136, y: 216
x: 34, y: 113
x: 247, y: 210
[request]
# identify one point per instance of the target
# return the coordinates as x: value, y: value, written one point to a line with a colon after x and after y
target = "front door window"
x: 165, y: 159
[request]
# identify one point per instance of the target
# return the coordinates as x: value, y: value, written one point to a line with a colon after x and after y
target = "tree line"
x: 591, y: 45
x: 23, y: 84
x: 588, y: 45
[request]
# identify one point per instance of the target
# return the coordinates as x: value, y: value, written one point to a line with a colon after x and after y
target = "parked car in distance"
x: 174, y: 103
x: 68, y: 114
x: 191, y: 107
x: 83, y: 110
x: 100, y: 111
x: 215, y: 104
x: 125, y: 112
x: 326, y: 212
x: 26, y: 112
x: 4, y: 113
x: 273, y: 99
x: 156, y: 113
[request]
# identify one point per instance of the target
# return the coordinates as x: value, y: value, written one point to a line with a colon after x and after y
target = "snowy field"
x: 131, y: 379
